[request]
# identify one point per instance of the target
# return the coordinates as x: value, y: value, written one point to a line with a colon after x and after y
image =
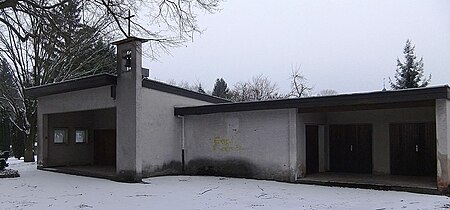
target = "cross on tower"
x: 129, y: 22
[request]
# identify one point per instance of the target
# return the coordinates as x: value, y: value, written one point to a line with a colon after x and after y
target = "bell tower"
x: 129, y: 109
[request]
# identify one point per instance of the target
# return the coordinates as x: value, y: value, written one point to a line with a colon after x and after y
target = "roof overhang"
x: 72, y: 85
x: 415, y: 97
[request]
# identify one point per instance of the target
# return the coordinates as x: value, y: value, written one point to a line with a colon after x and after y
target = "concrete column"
x: 129, y: 109
x: 42, y: 139
x: 442, y: 145
x: 293, y: 145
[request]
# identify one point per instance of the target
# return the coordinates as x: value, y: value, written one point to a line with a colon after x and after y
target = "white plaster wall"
x: 88, y: 99
x: 161, y: 131
x: 380, y: 120
x: 250, y: 144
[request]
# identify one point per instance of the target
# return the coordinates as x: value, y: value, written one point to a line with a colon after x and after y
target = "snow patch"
x: 37, y: 189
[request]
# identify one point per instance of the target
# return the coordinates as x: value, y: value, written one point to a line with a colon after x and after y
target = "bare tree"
x: 259, y: 88
x: 52, y: 52
x: 327, y: 92
x: 167, y: 23
x: 197, y: 86
x: 299, y: 85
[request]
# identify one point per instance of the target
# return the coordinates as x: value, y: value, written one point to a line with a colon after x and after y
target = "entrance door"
x: 312, y: 148
x: 105, y: 147
x: 351, y: 148
x: 413, y: 149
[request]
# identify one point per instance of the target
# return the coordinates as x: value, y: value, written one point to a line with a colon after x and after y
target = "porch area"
x: 416, y: 184
x: 96, y: 171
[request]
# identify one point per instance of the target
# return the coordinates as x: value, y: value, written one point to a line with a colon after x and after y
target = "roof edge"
x: 81, y: 83
x: 377, y: 97
x: 129, y: 39
x: 160, y: 86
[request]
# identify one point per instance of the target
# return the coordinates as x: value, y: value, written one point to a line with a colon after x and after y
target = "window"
x: 81, y: 136
x: 60, y: 136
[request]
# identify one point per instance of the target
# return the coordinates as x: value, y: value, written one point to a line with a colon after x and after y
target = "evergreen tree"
x: 7, y: 85
x: 221, y: 89
x: 71, y: 38
x: 200, y: 89
x: 409, y: 74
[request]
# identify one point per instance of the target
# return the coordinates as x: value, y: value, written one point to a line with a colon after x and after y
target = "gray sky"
x: 345, y: 45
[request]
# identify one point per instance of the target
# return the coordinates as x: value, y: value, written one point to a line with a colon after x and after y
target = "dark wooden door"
x: 312, y: 148
x: 363, y: 150
x: 413, y: 149
x: 338, y: 148
x: 351, y: 148
x: 105, y: 147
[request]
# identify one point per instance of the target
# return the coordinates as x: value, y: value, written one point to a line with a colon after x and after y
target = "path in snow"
x: 47, y: 190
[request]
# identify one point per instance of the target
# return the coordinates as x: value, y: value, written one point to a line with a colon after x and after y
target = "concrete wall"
x: 258, y: 144
x: 443, y: 146
x: 254, y: 144
x: 71, y: 153
x: 161, y: 132
x: 380, y: 120
x: 89, y: 99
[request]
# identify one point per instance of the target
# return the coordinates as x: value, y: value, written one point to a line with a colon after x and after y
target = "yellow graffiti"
x: 225, y: 145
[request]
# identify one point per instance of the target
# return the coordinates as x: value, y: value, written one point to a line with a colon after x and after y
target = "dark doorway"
x: 413, y: 149
x: 105, y: 147
x: 312, y: 148
x: 351, y: 148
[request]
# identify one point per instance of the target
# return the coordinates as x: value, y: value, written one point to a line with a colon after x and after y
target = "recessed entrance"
x: 82, y: 142
x: 413, y: 149
x: 105, y: 147
x: 351, y: 148
x: 312, y: 148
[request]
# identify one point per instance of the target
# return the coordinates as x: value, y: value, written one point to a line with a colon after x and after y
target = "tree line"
x: 258, y: 88
x: 409, y: 74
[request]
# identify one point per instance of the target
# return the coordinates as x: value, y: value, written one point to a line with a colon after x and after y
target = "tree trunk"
x: 29, y: 141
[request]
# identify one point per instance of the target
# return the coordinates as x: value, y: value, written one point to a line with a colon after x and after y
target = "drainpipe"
x: 182, y: 144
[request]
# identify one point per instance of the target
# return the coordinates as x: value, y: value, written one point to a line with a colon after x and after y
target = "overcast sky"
x: 345, y: 45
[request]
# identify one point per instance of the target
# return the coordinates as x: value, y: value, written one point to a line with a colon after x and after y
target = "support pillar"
x: 293, y: 168
x: 442, y: 144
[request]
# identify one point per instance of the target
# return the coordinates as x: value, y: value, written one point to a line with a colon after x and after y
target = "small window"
x: 81, y: 136
x: 60, y: 136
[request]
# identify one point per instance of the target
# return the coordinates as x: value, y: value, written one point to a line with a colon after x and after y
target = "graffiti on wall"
x: 220, y: 144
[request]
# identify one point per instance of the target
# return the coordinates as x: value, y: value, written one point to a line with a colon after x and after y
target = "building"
x: 126, y: 127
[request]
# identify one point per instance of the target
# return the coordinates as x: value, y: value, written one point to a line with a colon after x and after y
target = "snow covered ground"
x: 47, y: 190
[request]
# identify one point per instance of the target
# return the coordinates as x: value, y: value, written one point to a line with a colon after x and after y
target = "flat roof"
x: 413, y: 97
x: 109, y: 79
x: 152, y: 84
x: 72, y: 85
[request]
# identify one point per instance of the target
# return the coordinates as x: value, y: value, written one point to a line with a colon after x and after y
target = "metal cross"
x: 129, y: 22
